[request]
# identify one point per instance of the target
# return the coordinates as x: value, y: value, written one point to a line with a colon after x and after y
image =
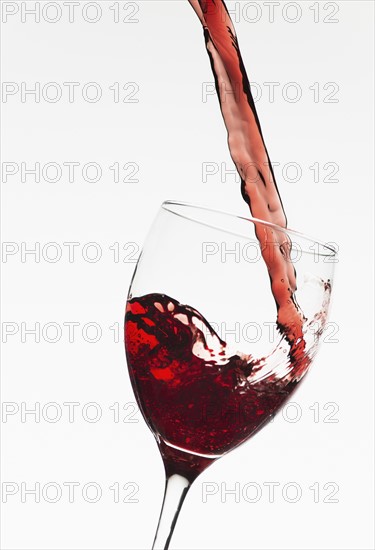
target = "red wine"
x: 197, y: 397
x: 250, y: 156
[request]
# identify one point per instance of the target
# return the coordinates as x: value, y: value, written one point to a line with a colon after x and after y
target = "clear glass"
x: 212, y: 261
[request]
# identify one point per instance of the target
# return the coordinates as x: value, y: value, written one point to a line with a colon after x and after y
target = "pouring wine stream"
x: 250, y: 156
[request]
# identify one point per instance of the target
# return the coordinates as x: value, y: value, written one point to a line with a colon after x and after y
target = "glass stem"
x: 176, y: 488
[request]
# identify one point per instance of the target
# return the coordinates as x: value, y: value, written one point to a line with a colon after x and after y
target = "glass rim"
x: 250, y: 219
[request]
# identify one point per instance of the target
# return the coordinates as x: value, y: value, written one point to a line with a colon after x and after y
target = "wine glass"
x: 209, y: 365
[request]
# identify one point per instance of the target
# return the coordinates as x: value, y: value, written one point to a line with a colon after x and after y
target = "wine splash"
x: 196, y: 394
x: 250, y: 156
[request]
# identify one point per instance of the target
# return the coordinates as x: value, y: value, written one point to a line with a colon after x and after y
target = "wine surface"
x: 195, y: 393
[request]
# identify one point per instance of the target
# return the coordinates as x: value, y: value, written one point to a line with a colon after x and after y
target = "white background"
x: 169, y: 133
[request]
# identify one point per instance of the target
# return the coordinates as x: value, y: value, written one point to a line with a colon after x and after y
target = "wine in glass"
x: 204, y: 382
